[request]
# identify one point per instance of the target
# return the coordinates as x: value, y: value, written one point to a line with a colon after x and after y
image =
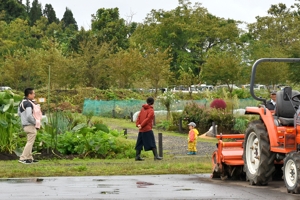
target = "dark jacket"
x: 270, y: 105
x: 145, y: 118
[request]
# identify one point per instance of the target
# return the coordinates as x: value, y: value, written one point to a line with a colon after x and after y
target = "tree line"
x: 183, y: 46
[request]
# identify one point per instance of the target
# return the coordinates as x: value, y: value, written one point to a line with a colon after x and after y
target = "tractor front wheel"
x: 291, y: 172
x: 258, y: 159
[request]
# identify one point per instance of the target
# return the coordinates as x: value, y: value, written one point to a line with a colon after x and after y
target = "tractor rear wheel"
x: 216, y: 173
x: 258, y: 159
x: 291, y: 172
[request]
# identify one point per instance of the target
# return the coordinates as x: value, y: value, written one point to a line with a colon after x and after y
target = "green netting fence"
x: 124, y: 108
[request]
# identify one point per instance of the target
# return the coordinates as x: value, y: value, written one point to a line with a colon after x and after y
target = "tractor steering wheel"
x: 296, y: 98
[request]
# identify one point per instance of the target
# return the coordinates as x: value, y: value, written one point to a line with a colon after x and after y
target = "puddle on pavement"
x: 142, y: 184
x: 116, y: 191
x: 184, y: 189
x: 104, y: 186
x: 98, y: 180
x: 22, y: 180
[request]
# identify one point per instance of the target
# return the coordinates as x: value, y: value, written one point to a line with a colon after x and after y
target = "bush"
x: 218, y: 104
x: 204, y: 117
x: 241, y: 124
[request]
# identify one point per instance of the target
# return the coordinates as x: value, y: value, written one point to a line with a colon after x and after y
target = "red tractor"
x: 268, y: 144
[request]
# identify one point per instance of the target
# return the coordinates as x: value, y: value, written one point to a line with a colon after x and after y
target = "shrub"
x: 218, y: 104
x: 204, y: 117
x: 240, y: 124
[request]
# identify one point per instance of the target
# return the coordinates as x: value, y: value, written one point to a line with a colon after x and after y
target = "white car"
x: 2, y: 88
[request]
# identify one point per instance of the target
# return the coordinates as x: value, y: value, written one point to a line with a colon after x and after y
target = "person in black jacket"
x: 272, y: 102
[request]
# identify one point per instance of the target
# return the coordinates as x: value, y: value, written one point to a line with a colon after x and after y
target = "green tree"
x: 269, y: 73
x: 274, y: 36
x: 189, y: 31
x: 223, y: 68
x: 126, y: 67
x: 50, y: 14
x: 68, y: 20
x: 35, y: 12
x: 93, y: 63
x: 156, y: 67
x: 12, y: 9
x: 110, y: 28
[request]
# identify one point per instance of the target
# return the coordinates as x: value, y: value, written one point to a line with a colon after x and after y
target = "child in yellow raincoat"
x: 192, y: 139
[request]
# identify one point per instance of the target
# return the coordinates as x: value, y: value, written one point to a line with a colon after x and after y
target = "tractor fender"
x: 268, y: 120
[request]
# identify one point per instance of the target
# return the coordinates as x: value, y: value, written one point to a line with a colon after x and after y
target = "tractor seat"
x: 285, y: 109
x: 286, y: 121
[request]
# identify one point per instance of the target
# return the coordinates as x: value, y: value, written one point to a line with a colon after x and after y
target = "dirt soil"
x: 176, y: 145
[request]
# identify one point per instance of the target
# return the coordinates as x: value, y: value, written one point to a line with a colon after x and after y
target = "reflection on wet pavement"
x: 22, y: 180
x: 176, y: 186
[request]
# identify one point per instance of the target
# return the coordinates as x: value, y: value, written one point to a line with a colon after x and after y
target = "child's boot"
x: 190, y: 153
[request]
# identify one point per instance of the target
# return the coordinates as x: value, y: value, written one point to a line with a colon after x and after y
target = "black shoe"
x: 25, y: 161
x: 34, y: 161
x: 156, y: 157
x: 139, y: 159
x: 138, y: 156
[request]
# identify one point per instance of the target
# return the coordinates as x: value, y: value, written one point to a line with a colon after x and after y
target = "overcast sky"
x: 244, y: 10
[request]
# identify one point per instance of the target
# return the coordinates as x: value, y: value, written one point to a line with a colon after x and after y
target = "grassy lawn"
x: 98, y: 167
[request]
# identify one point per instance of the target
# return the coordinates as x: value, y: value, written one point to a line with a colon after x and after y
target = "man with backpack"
x: 26, y: 112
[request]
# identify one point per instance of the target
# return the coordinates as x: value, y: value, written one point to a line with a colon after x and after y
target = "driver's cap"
x: 273, y: 92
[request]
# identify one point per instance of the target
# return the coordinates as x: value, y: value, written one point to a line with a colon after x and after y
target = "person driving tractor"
x: 271, y: 104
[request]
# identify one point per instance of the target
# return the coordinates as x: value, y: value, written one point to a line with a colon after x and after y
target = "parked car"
x: 256, y: 87
x: 204, y: 87
x: 2, y: 88
x: 233, y: 86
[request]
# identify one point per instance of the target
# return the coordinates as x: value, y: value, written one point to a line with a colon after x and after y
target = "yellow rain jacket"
x: 192, y: 140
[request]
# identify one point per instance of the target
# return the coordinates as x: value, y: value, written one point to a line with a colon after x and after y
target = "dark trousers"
x: 146, y: 140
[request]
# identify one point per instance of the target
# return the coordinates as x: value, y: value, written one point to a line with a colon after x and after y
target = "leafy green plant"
x: 58, y: 124
x: 164, y: 125
x: 10, y: 125
x: 240, y: 124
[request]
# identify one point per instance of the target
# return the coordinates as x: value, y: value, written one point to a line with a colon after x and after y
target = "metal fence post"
x: 131, y: 116
x: 125, y: 132
x: 214, y: 129
x: 160, y: 145
x: 180, y: 125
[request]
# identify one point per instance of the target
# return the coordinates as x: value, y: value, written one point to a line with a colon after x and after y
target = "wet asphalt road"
x: 197, y: 186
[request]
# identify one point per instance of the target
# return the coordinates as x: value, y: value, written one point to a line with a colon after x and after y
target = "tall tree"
x: 35, y: 12
x: 156, y: 67
x: 222, y: 67
x: 50, y: 14
x: 68, y: 20
x: 125, y: 66
x: 109, y: 27
x: 12, y: 9
x: 275, y: 36
x: 27, y: 6
x: 189, y: 31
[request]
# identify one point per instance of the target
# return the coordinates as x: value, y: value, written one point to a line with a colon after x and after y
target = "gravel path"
x: 176, y: 145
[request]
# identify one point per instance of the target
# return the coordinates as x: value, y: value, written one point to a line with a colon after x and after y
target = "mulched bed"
x: 8, y: 156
